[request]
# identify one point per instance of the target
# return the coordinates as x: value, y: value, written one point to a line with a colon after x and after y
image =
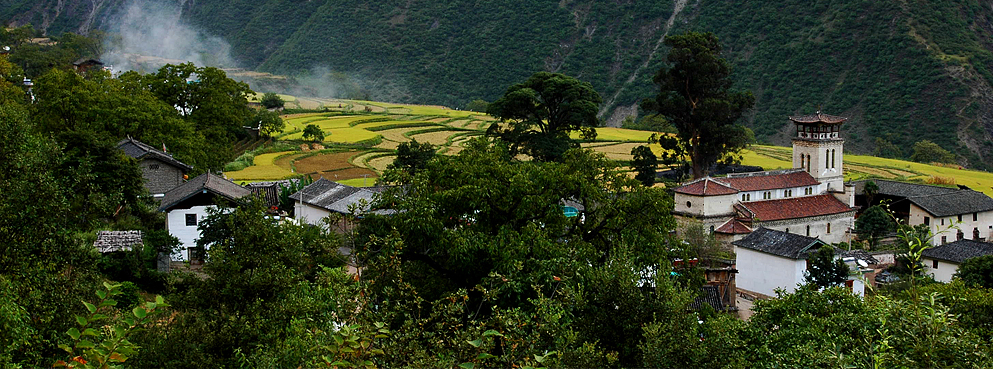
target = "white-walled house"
x: 324, y: 197
x: 942, y: 262
x: 950, y: 213
x: 187, y: 205
x: 769, y: 259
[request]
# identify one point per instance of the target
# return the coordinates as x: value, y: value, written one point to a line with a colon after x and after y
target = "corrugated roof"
x: 204, y: 182
x: 959, y: 251
x: 337, y: 197
x: 110, y: 241
x: 138, y: 150
x: 779, y: 243
x: 795, y: 207
x: 818, y: 117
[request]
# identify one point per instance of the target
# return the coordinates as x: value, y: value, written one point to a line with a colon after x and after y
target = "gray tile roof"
x: 937, y: 200
x: 110, y: 241
x: 860, y: 255
x: 954, y: 203
x: 336, y: 197
x: 959, y: 251
x: 139, y: 150
x: 205, y: 182
x: 779, y: 243
x: 269, y: 191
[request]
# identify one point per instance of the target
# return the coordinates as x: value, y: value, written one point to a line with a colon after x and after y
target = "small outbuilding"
x: 942, y: 262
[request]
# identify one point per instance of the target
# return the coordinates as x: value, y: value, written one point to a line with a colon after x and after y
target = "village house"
x: 769, y: 259
x: 187, y: 205
x: 942, y: 262
x: 161, y: 172
x: 324, y: 197
x: 811, y: 199
x: 950, y: 213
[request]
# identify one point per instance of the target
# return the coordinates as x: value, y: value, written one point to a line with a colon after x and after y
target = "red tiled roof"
x: 796, y: 207
x: 706, y: 187
x: 818, y: 118
x: 771, y: 181
x: 733, y: 226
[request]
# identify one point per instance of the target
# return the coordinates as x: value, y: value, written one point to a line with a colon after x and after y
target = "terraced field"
x: 862, y: 166
x: 363, y: 135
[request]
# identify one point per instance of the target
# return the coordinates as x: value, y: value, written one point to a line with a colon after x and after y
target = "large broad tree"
x: 874, y: 223
x: 695, y: 95
x: 538, y: 115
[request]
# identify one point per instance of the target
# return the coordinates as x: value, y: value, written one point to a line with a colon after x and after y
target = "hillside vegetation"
x: 901, y: 69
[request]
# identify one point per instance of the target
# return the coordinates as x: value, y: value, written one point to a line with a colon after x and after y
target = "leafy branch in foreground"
x: 107, y: 346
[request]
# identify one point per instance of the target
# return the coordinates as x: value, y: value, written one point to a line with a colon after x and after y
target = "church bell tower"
x: 817, y: 148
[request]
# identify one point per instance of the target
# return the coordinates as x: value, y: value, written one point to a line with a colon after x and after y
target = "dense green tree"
x: 650, y: 122
x: 695, y: 95
x: 270, y: 100
x: 104, y: 182
x: 871, y: 190
x: 268, y: 122
x: 644, y: 164
x: 874, y: 223
x: 10, y: 76
x: 486, y: 229
x: 926, y: 151
x: 824, y: 270
x: 313, y: 132
x: 47, y: 270
x: 479, y: 105
x: 412, y: 156
x: 977, y: 272
x: 886, y: 149
x: 255, y: 271
x: 538, y: 115
x: 215, y: 104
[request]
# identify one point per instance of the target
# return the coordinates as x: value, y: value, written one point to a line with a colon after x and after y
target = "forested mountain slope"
x: 903, y: 70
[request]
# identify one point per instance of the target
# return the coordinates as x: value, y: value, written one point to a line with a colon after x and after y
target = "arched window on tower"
x: 827, y: 159
x: 834, y: 155
x: 802, y: 163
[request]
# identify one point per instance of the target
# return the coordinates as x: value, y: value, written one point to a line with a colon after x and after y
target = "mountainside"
x: 903, y: 70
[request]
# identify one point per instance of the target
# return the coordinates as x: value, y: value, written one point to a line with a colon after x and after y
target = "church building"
x: 811, y: 199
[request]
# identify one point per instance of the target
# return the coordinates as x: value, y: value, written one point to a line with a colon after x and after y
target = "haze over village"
x: 575, y: 184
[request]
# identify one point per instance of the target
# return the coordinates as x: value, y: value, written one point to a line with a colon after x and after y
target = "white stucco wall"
x: 944, y: 271
x: 984, y: 223
x: 820, y: 161
x: 840, y: 223
x: 764, y: 273
x: 704, y: 206
x: 187, y: 235
x: 309, y: 214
